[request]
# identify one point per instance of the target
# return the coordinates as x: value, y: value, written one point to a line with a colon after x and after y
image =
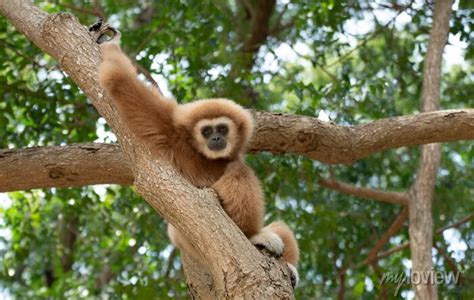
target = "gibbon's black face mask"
x: 216, y: 136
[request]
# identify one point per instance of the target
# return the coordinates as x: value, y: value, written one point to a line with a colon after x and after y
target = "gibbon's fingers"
x: 97, y: 25
x: 266, y: 239
x: 294, y: 276
x: 105, y: 32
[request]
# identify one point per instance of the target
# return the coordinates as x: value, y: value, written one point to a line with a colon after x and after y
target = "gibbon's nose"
x: 216, y: 143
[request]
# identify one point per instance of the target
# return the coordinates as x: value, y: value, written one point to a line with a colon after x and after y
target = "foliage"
x: 351, y: 61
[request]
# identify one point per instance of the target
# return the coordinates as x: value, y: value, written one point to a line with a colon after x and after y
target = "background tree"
x: 350, y: 62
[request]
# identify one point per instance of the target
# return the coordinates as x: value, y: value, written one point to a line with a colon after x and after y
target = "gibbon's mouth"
x: 216, y: 144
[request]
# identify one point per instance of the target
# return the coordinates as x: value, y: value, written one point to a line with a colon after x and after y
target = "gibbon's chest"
x: 200, y: 171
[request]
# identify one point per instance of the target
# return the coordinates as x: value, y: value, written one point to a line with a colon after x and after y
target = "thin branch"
x: 449, y: 261
x: 19, y: 53
x: 147, y: 74
x: 393, y: 250
x: 407, y: 244
x: 96, y: 11
x: 279, y: 26
x: 379, y: 195
x: 316, y: 64
x: 147, y: 39
x: 456, y: 224
x: 171, y: 259
x: 394, y: 228
x: 366, y: 39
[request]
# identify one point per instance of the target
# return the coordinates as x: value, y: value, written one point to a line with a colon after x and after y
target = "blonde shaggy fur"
x: 173, y: 130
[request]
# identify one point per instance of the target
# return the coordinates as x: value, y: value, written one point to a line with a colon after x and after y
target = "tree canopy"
x: 345, y: 62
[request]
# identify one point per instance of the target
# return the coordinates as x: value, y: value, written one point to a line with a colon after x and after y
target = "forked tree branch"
x: 405, y: 245
x: 394, y: 228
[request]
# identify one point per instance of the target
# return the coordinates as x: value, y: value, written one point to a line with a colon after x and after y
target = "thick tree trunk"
x: 421, y: 194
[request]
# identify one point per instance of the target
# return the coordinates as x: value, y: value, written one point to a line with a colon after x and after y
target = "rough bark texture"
x: 330, y: 143
x: 277, y: 133
x: 63, y: 166
x: 238, y: 269
x: 421, y: 193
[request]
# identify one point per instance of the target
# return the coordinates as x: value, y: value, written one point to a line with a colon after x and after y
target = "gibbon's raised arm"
x: 146, y: 112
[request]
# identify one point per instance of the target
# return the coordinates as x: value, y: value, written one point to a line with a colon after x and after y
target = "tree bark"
x: 421, y: 193
x: 238, y: 270
x: 63, y: 166
x: 86, y: 164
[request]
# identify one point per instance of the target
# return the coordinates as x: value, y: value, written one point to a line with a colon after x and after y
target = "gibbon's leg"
x: 242, y: 199
x: 145, y: 111
x: 180, y: 241
x: 292, y: 252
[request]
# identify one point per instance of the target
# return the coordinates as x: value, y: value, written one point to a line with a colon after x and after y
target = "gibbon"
x: 205, y: 141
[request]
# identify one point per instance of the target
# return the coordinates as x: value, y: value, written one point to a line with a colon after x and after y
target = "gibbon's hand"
x: 105, y: 33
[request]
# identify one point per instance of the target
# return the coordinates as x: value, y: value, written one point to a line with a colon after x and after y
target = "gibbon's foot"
x: 105, y: 33
x: 294, y: 276
x: 270, y: 241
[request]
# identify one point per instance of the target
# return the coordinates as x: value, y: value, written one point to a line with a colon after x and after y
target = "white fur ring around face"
x: 270, y: 241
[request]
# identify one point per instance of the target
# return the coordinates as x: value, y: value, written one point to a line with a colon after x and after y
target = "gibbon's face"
x: 215, y: 138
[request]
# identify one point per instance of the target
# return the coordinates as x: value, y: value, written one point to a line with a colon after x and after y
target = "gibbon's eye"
x: 222, y: 129
x: 206, y: 131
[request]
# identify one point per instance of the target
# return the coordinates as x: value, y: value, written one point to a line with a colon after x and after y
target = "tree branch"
x: 407, y: 244
x: 449, y: 261
x: 331, y: 143
x: 88, y: 164
x: 390, y: 197
x: 456, y: 224
x: 63, y: 166
x: 394, y: 228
